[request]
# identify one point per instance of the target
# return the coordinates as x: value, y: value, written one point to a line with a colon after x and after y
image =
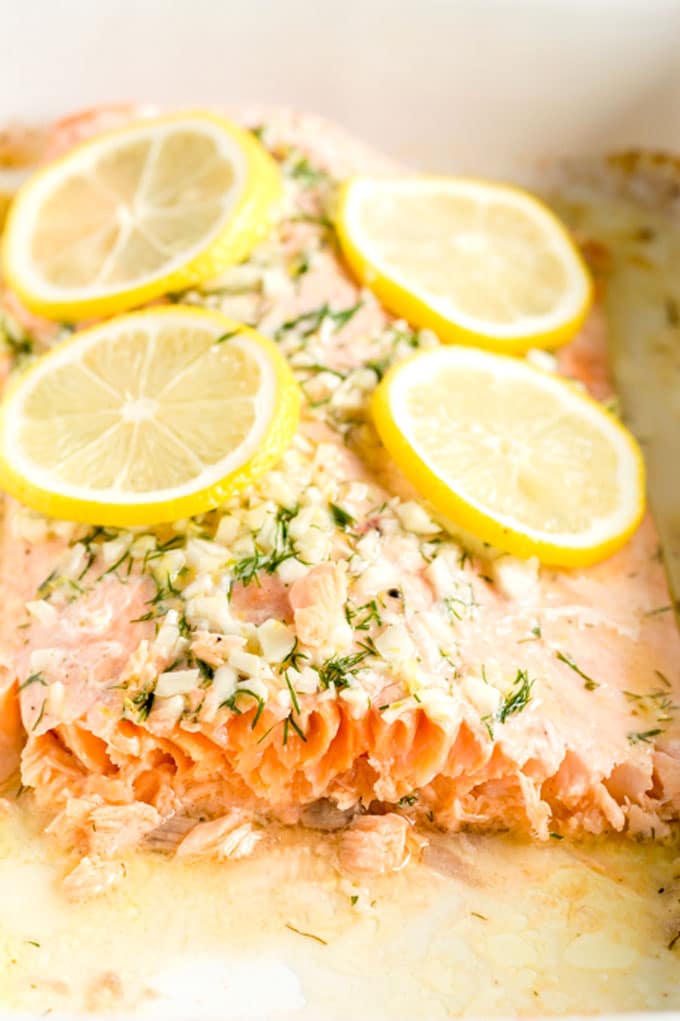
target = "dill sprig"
x: 518, y: 698
x: 565, y: 658
x: 312, y: 321
x: 142, y: 703
x: 514, y: 702
x: 371, y: 616
x: 284, y: 548
x: 644, y: 736
x: 309, y: 176
x: 339, y: 670
x: 342, y: 518
x: 230, y: 703
x: 293, y: 658
x: 36, y: 678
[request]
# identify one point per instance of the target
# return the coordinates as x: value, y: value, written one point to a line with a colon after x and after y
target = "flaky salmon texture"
x: 322, y: 648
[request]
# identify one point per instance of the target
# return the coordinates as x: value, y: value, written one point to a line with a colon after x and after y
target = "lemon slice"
x: 149, y: 417
x: 132, y: 214
x: 478, y: 263
x: 516, y: 456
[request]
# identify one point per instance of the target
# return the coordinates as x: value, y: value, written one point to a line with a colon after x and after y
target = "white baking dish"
x: 490, y: 87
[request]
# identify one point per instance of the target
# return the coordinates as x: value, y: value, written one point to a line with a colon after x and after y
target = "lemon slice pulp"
x: 152, y: 208
x: 518, y: 457
x: 476, y: 262
x: 149, y: 417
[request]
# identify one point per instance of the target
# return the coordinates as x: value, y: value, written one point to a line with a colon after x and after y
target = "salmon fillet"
x: 323, y: 636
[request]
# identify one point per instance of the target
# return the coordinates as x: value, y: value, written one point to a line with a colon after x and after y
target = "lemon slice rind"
x: 276, y: 412
x: 461, y: 506
x: 247, y: 209
x: 402, y: 295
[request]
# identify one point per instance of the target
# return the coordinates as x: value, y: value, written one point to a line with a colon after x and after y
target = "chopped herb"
x: 145, y: 616
x: 293, y: 694
x: 300, y: 265
x: 463, y: 604
x: 207, y: 673
x: 518, y: 698
x: 33, y: 942
x: 476, y: 914
x: 40, y: 715
x: 46, y: 587
x: 408, y: 800
x: 246, y: 570
x: 310, y: 935
x: 379, y: 366
x: 143, y: 703
x: 290, y: 721
x: 36, y: 678
x: 341, y: 517
x: 230, y: 703
x: 663, y: 678
x: 382, y: 708
x: 565, y: 658
x: 372, y: 616
x: 488, y: 723
x: 227, y: 336
x: 535, y: 635
x: 313, y: 320
x: 645, y: 736
x: 339, y: 670
x: 309, y: 176
x: 354, y: 898
x: 658, y: 609
x: 673, y: 942
x: 293, y: 659
x: 121, y: 560
x: 557, y: 836
x: 258, y: 130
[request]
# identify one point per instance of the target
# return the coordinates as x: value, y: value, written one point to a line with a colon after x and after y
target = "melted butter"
x: 492, y: 926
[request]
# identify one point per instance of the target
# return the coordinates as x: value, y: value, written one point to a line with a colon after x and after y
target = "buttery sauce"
x: 489, y: 926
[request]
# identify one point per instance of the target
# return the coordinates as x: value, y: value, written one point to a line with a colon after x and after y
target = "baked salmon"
x: 322, y: 638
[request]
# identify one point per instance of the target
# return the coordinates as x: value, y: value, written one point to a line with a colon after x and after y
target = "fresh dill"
x: 247, y: 569
x: 290, y: 721
x: 312, y: 321
x: 408, y: 800
x: 207, y: 672
x: 518, y: 698
x: 36, y: 678
x: 658, y: 609
x: 342, y: 518
x: 371, y: 616
x: 556, y: 836
x: 293, y: 693
x: 339, y: 670
x: 230, y: 703
x: 308, y: 176
x: 142, y: 703
x: 293, y: 658
x: 565, y: 658
x: 40, y: 715
x: 536, y: 634
x: 126, y: 556
x: 461, y: 606
x: 310, y: 935
x: 224, y: 337
x: 644, y: 736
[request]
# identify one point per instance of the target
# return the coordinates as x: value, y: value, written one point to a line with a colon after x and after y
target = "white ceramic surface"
x: 485, y: 86
x: 475, y: 85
